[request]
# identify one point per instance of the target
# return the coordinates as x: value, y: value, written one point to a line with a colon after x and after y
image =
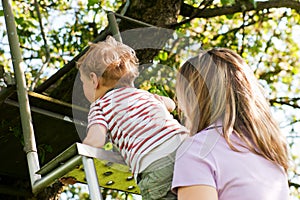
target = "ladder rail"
x: 56, y: 173
x: 37, y: 181
x: 25, y: 113
x: 91, y: 177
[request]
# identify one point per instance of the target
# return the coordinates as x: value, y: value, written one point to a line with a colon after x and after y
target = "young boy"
x: 138, y: 122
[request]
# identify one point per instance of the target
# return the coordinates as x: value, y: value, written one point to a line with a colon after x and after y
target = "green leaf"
x: 1, y: 13
x: 108, y: 146
x: 48, y: 148
x: 229, y: 16
x: 227, y: 2
x: 163, y: 56
x: 92, y: 2
x: 254, y: 3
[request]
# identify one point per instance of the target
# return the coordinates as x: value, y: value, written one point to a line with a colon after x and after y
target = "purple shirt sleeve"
x: 192, y: 169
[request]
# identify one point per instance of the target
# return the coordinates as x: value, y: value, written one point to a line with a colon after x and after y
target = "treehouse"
x: 41, y: 131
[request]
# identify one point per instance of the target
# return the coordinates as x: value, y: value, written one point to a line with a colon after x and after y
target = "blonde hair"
x: 114, y: 61
x: 218, y: 84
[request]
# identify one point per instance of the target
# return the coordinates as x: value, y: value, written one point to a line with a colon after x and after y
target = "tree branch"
x: 286, y: 101
x: 296, y: 185
x: 235, y: 30
x: 47, y: 53
x: 203, y: 5
x: 268, y: 45
x: 187, y: 10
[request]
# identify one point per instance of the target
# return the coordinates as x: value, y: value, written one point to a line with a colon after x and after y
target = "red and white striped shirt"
x: 138, y: 123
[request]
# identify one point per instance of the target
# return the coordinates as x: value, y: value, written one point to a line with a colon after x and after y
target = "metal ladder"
x: 78, y: 154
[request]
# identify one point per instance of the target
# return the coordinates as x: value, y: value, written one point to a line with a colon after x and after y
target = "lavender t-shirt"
x: 206, y: 159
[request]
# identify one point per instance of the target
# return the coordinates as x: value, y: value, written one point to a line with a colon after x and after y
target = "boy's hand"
x: 168, y: 102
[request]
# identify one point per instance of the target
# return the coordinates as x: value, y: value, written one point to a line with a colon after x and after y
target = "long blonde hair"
x: 218, y: 84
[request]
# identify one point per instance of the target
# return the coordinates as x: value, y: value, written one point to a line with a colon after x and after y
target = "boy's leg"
x: 170, y: 196
x: 156, y: 180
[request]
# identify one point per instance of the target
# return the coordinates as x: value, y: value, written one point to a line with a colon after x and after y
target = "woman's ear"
x: 94, y: 79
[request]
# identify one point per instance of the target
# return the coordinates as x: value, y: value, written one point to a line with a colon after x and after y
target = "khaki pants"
x: 156, y: 180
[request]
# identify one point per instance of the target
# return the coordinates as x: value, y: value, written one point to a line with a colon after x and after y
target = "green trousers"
x: 156, y: 180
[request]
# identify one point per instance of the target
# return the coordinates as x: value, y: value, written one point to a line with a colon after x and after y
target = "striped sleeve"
x: 96, y: 116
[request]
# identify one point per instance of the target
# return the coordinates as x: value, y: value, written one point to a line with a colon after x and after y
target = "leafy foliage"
x: 268, y: 39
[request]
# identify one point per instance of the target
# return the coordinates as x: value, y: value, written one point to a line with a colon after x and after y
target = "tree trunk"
x: 148, y: 41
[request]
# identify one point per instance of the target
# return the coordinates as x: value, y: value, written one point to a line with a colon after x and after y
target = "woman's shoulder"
x: 202, y: 143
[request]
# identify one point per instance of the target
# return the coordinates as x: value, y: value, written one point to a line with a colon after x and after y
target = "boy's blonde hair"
x: 114, y: 61
x: 218, y: 84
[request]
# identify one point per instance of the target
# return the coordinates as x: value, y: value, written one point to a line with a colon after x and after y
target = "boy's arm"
x: 169, y: 103
x: 96, y: 136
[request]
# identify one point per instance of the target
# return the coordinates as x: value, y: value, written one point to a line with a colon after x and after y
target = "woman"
x: 236, y: 150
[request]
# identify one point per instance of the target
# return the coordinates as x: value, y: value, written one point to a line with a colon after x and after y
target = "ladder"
x: 94, y: 166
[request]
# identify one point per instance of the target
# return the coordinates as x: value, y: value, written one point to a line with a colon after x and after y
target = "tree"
x: 263, y: 32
